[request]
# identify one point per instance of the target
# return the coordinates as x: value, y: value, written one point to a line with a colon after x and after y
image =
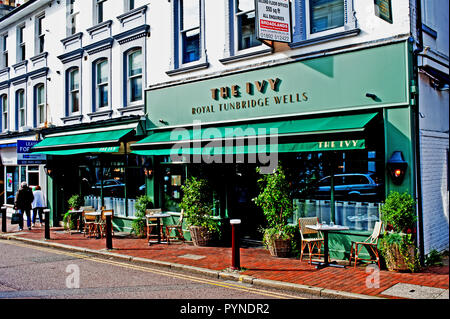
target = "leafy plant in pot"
x: 74, y: 202
x: 277, y: 206
x: 197, y: 203
x: 398, y: 244
x: 139, y: 223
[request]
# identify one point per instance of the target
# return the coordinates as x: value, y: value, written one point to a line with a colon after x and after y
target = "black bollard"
x: 235, y: 245
x: 4, y: 228
x: 108, y: 232
x: 47, y: 223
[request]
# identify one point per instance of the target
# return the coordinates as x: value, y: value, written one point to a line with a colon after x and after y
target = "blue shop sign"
x: 24, y: 155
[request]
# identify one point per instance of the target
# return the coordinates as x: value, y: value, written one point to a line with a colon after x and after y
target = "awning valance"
x: 187, y: 141
x: 92, y: 142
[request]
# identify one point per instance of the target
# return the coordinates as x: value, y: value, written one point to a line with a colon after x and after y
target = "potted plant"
x: 139, y: 223
x: 74, y: 202
x: 277, y: 206
x: 197, y: 203
x: 398, y: 243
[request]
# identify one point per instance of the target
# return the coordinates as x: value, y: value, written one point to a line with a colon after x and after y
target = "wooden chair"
x: 152, y: 223
x: 90, y: 224
x: 102, y: 224
x: 371, y: 245
x: 310, y: 238
x: 177, y: 228
x: 80, y: 221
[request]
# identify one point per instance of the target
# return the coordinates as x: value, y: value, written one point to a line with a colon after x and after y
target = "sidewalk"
x: 259, y: 268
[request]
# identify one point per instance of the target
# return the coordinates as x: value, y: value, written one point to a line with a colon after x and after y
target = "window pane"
x: 74, y: 82
x: 102, y: 96
x: 191, y: 46
x: 246, y: 31
x: 74, y: 102
x: 135, y: 63
x: 102, y: 72
x: 135, y: 89
x: 326, y: 14
x: 40, y: 94
x: 190, y: 14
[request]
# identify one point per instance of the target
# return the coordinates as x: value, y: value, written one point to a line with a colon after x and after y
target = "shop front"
x: 332, y: 122
x: 94, y: 161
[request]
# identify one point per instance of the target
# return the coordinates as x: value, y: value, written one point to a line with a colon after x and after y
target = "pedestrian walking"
x: 38, y: 205
x: 22, y: 203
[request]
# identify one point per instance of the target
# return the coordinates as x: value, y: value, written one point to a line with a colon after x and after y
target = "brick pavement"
x: 256, y: 262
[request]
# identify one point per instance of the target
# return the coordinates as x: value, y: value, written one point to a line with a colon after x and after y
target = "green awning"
x: 92, y: 142
x: 323, y: 125
x: 256, y: 149
x: 187, y: 141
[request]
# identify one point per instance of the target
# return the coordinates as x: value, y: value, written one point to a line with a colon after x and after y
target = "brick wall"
x: 435, y: 192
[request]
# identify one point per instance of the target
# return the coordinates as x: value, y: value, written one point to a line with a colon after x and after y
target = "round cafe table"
x: 158, y: 217
x: 325, y: 229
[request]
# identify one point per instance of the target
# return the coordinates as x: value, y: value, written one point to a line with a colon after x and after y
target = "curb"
x: 264, y: 283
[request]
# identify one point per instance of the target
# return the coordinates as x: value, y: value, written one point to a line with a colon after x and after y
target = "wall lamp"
x: 397, y: 167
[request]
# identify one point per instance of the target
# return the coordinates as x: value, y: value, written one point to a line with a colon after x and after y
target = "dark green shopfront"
x: 341, y: 115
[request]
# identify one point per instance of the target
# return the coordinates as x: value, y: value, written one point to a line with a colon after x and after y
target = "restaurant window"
x: 134, y: 72
x: 73, y: 91
x: 4, y: 108
x: 41, y: 112
x: 101, y: 69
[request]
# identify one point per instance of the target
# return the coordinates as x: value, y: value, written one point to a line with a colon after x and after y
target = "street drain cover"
x: 416, y: 292
x: 193, y: 257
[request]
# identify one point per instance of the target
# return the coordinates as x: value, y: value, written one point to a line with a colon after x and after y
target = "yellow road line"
x: 161, y: 272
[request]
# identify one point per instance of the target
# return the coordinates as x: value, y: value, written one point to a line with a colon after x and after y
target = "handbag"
x: 15, y: 218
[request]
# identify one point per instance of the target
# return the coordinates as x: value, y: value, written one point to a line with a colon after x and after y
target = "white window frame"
x: 302, y: 29
x: 99, y: 11
x: 236, y: 31
x: 5, y: 119
x: 21, y: 108
x: 99, y: 85
x: 4, y: 57
x: 135, y: 76
x: 40, y: 105
x: 311, y: 35
x: 40, y: 34
x: 71, y: 91
x: 21, y: 46
x: 129, y: 5
x: 72, y: 18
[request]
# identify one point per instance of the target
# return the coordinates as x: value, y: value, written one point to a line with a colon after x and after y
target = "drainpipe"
x: 418, y: 173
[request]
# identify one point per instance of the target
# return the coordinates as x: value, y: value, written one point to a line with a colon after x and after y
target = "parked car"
x: 111, y: 187
x: 354, y: 187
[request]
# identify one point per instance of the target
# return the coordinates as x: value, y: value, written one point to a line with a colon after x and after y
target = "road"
x: 28, y: 271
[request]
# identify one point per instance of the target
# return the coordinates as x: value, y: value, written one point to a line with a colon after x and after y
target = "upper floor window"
x: 21, y: 108
x: 4, y: 51
x: 325, y: 15
x: 99, y: 11
x: 72, y: 17
x: 190, y: 30
x: 41, y: 116
x: 40, y: 36
x: 21, y: 54
x: 73, y: 91
x: 245, y: 24
x: 134, y: 75
x: 129, y: 5
x: 320, y: 20
x: 4, y: 108
x: 101, y: 83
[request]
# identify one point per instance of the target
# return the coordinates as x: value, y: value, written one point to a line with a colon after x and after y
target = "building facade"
x: 137, y: 96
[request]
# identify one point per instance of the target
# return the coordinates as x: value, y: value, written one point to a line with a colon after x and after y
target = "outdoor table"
x: 158, y: 222
x: 325, y: 229
x: 98, y: 215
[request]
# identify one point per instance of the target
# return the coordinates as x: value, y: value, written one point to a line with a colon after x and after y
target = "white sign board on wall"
x: 273, y: 20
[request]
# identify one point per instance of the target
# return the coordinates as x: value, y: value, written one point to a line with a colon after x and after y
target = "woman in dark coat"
x: 23, y: 200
